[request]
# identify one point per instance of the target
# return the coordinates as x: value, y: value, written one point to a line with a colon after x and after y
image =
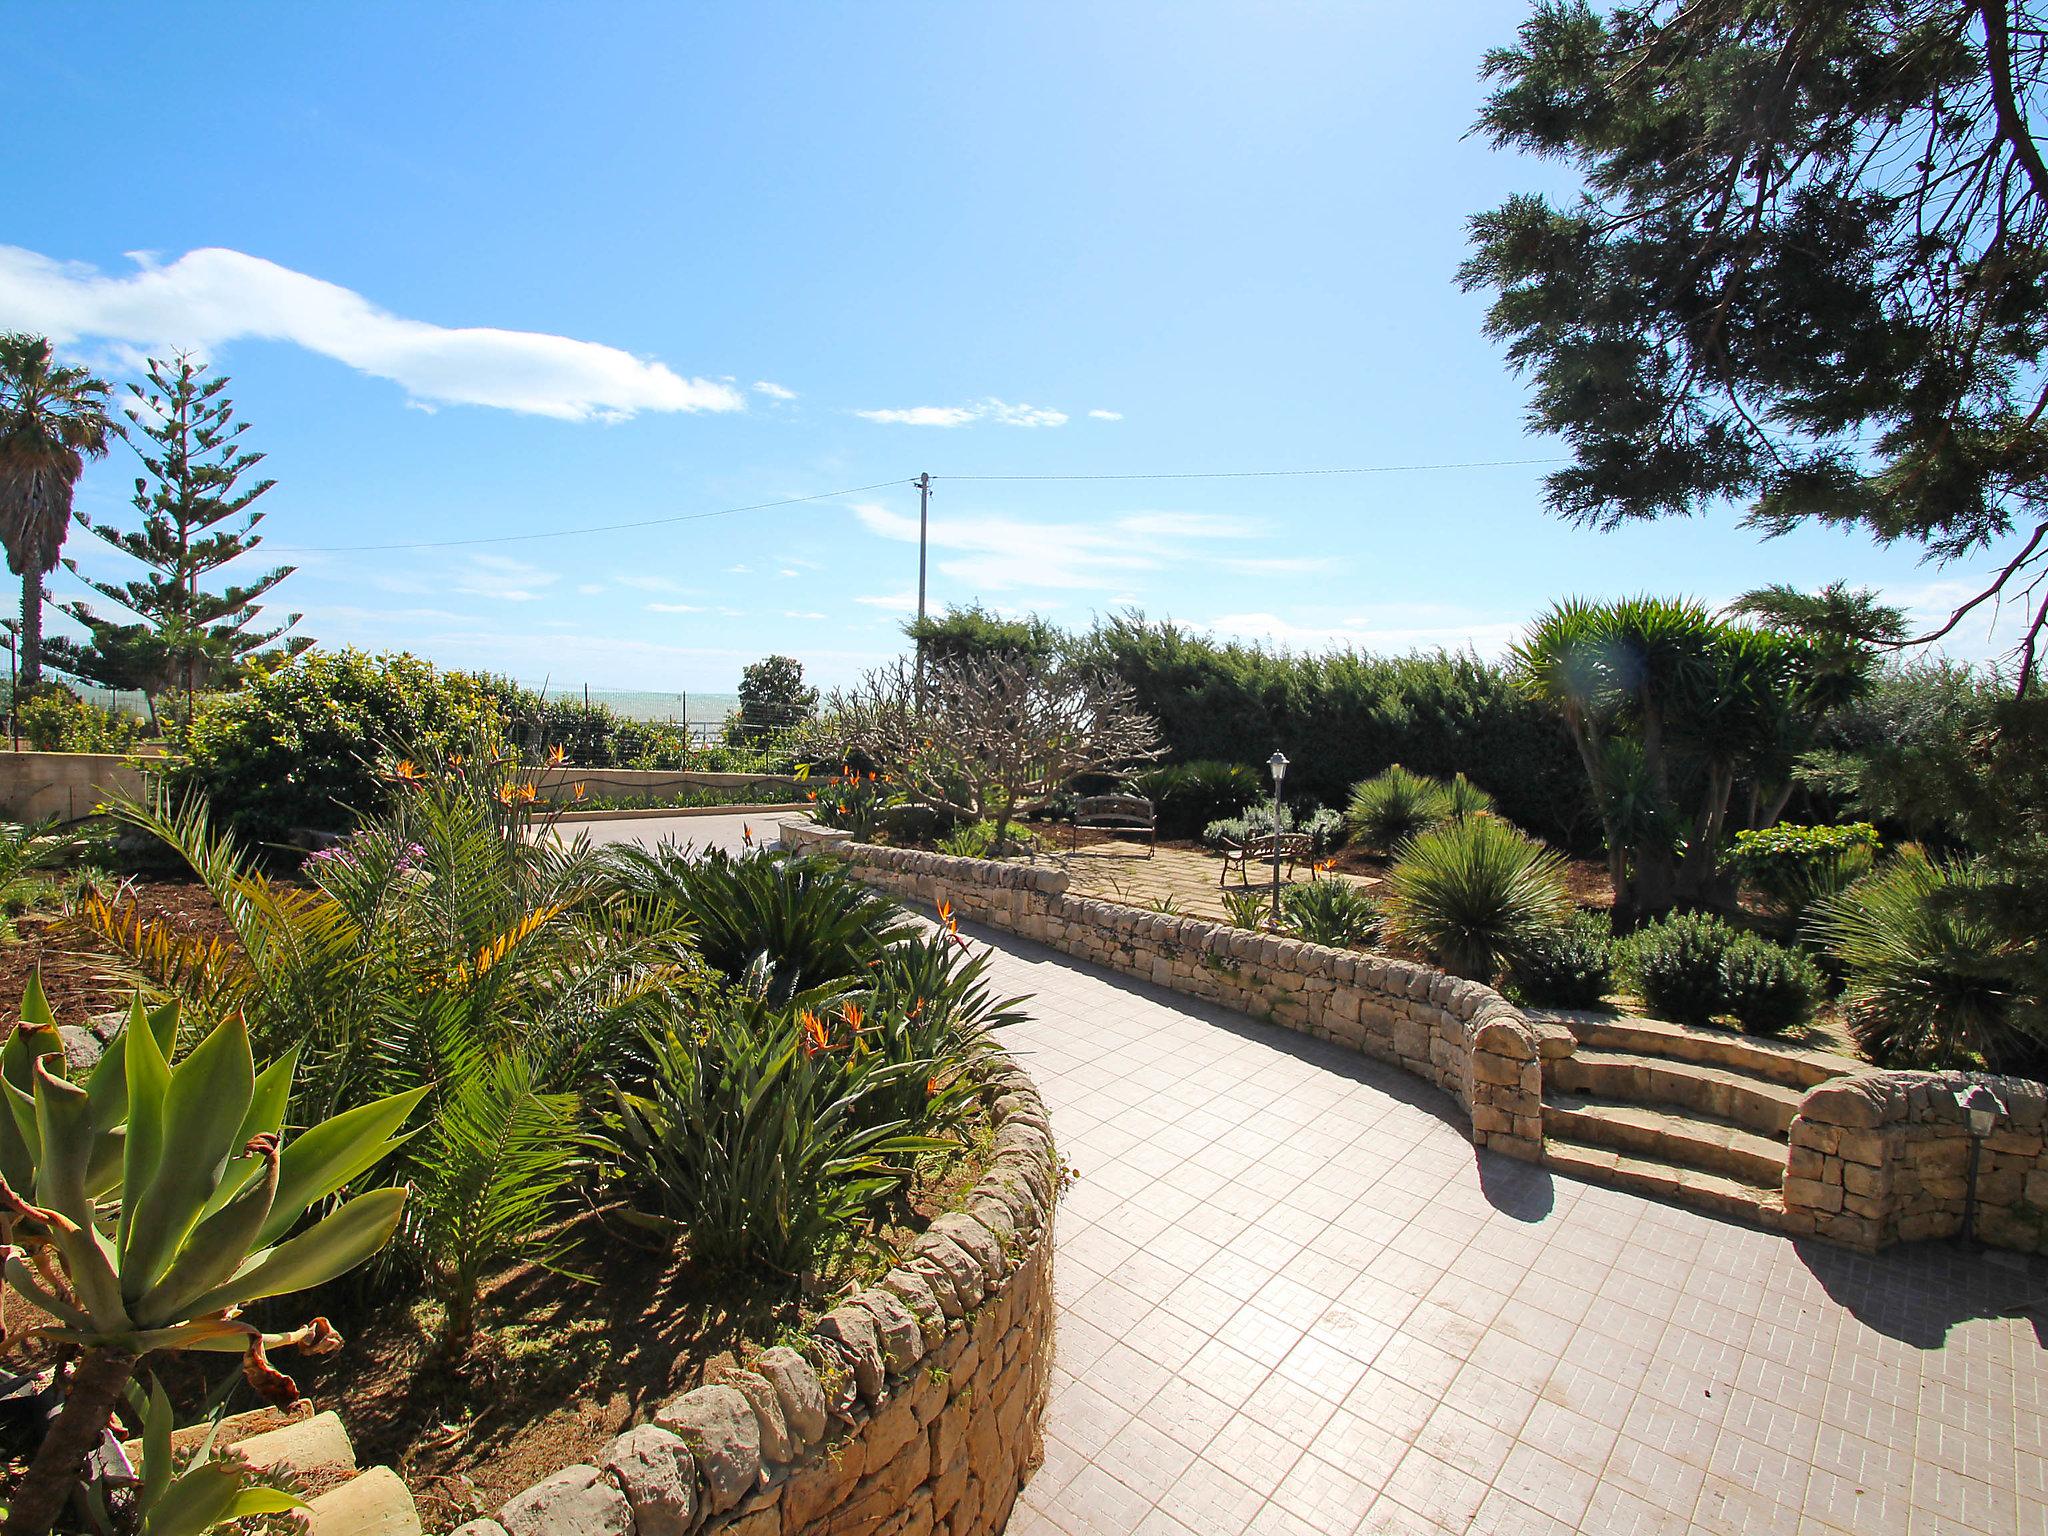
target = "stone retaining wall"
x: 1465, y: 1038
x: 1884, y: 1157
x: 912, y: 1410
x: 67, y: 785
x: 561, y: 782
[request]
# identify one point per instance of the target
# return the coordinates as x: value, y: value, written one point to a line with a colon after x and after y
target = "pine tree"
x: 188, y: 637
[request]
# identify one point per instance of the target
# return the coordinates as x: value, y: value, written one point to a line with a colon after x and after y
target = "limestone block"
x: 373, y: 1504
x: 658, y: 1476
x: 798, y: 1391
x: 576, y: 1501
x: 718, y: 1425
x: 776, y: 1446
x: 915, y: 1292
x: 1813, y: 1194
x: 313, y: 1448
x: 851, y: 1332
x: 901, y: 1337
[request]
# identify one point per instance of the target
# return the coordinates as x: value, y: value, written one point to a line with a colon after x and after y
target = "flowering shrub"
x: 851, y: 801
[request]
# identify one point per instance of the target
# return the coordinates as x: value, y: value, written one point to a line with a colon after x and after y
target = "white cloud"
x: 1106, y: 415
x: 643, y: 583
x: 790, y: 613
x: 1278, y: 565
x: 505, y: 579
x: 739, y: 570
x: 1412, y: 627
x: 589, y: 588
x: 773, y: 391
x: 995, y: 553
x: 894, y: 602
x: 990, y: 409
x: 787, y: 572
x: 673, y: 608
x: 207, y: 298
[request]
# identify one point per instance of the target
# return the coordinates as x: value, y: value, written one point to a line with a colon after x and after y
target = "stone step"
x: 1688, y: 1139
x: 1795, y: 1066
x: 1716, y: 1194
x: 1764, y: 1107
x: 376, y: 1503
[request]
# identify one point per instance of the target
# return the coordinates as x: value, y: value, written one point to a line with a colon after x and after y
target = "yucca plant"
x: 928, y: 1001
x: 1246, y: 909
x: 1329, y: 911
x: 163, y: 1202
x: 1471, y: 895
x: 761, y: 1131
x: 1931, y: 982
x: 1393, y: 806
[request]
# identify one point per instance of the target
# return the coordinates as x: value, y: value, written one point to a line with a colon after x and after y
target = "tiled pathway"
x: 1294, y: 1300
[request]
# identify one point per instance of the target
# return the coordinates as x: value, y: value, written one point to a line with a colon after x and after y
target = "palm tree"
x: 52, y: 419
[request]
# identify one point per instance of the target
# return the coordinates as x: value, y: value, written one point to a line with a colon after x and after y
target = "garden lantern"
x: 1278, y: 763
x: 1981, y: 1109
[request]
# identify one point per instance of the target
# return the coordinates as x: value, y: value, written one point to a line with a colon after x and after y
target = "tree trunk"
x: 96, y: 1386
x: 31, y: 632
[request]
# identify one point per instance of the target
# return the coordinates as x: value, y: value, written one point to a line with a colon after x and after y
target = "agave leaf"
x: 35, y: 1003
x: 208, y: 1095
x: 157, y: 1466
x: 64, y: 1129
x: 27, y: 1283
x: 216, y: 1249
x: 331, y: 1247
x: 266, y: 1116
x: 149, y: 1077
x: 320, y: 1162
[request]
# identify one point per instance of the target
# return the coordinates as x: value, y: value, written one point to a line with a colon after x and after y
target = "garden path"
x: 1121, y: 872
x: 1295, y: 1301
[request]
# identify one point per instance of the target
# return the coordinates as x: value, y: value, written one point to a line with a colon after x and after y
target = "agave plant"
x: 1331, y: 911
x: 149, y: 1205
x: 1472, y: 894
x: 1391, y: 807
x: 209, y: 1493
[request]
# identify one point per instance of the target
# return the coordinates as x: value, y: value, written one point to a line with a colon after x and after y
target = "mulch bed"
x: 80, y: 972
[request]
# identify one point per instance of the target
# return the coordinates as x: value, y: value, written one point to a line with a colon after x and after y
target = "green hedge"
x: 1346, y: 716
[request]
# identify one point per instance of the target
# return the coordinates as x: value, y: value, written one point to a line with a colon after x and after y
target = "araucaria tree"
x: 190, y: 500
x: 1806, y: 272
x: 52, y: 419
x: 984, y: 734
x: 1689, y: 727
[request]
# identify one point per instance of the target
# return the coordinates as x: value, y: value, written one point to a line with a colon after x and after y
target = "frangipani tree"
x: 979, y: 735
x: 144, y: 1208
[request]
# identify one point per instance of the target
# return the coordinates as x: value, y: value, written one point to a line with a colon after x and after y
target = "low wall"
x: 912, y: 1409
x: 1884, y: 1157
x: 557, y: 782
x: 67, y: 785
x: 1465, y: 1038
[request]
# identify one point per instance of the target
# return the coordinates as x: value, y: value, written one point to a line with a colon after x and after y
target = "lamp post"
x: 1278, y: 763
x: 1981, y: 1109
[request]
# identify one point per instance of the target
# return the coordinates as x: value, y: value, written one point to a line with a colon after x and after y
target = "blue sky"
x: 489, y: 271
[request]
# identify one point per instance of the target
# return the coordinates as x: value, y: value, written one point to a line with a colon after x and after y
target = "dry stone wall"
x: 67, y: 785
x: 1465, y: 1038
x: 912, y: 1411
x: 1884, y: 1157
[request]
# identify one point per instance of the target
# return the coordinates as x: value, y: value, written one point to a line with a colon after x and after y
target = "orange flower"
x: 555, y: 755
x: 946, y: 912
x: 815, y: 1038
x: 853, y: 1016
x: 582, y: 790
x: 405, y: 770
x: 931, y: 1087
x: 810, y: 794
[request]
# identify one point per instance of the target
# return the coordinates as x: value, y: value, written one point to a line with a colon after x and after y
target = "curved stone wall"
x: 1464, y: 1037
x: 913, y: 1408
x: 1884, y: 1157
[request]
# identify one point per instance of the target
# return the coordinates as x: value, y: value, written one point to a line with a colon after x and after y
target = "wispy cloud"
x: 207, y: 298
x: 640, y: 582
x: 791, y: 613
x: 993, y: 552
x: 990, y: 409
x: 589, y: 588
x: 773, y: 391
x: 1106, y: 415
x: 505, y: 579
x: 893, y: 602
x: 1398, y: 628
x: 674, y: 608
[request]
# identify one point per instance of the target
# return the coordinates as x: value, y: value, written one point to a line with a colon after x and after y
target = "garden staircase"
x: 1695, y: 1116
x: 315, y: 1448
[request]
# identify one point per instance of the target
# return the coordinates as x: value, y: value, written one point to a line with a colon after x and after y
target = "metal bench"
x: 1123, y: 815
x: 1294, y: 848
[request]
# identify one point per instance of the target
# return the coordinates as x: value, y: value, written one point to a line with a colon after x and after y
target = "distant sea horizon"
x: 707, y: 708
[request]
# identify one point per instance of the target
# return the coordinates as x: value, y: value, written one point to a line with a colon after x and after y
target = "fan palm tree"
x: 52, y: 419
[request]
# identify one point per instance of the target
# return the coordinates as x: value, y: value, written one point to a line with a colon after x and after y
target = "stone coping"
x: 1464, y: 1037
x: 912, y: 1405
x: 643, y: 812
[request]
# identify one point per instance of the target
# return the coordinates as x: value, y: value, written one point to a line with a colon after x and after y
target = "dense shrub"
x: 1568, y: 966
x: 1792, y: 867
x: 588, y: 735
x: 1693, y: 967
x: 58, y: 720
x: 1345, y: 716
x: 1770, y: 988
x: 1931, y: 981
x: 301, y: 746
x: 1188, y: 796
x: 1332, y: 912
x: 1471, y: 895
x: 978, y: 840
x: 1675, y: 963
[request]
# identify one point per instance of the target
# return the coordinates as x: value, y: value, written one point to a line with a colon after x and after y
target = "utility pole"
x: 924, y: 506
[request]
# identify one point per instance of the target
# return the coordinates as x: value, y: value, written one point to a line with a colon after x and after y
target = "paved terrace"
x: 1295, y: 1300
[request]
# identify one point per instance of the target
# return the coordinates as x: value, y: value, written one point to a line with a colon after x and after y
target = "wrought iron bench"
x: 1122, y: 815
x: 1295, y: 849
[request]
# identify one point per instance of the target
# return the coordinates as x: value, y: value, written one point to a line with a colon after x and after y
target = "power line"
x: 855, y: 490
x: 1269, y: 474
x: 570, y: 533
